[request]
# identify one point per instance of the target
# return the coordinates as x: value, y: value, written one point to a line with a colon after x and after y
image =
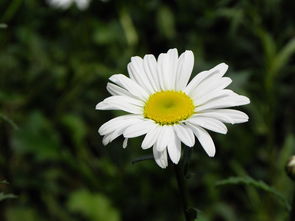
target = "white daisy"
x: 168, y: 110
x: 65, y: 4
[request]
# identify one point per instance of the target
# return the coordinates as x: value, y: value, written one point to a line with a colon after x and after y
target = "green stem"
x: 182, y: 188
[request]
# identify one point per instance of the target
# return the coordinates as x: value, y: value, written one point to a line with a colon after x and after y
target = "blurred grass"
x: 54, y: 68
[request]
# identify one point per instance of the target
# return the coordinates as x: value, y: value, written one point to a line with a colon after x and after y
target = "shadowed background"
x: 54, y: 66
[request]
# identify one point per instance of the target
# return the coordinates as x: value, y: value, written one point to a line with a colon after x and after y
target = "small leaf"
x: 9, y: 121
x: 166, y: 22
x: 92, y: 206
x: 284, y: 55
x: 268, y: 44
x: 257, y: 184
x: 128, y: 27
x: 76, y: 128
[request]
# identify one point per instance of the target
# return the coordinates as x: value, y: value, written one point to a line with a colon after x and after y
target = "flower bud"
x: 290, y: 167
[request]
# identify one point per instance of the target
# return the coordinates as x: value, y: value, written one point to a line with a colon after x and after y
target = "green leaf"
x: 234, y: 15
x: 283, y: 56
x: 128, y: 27
x: 17, y: 213
x: 166, y: 23
x: 279, y: 60
x: 38, y: 137
x: 269, y: 45
x: 257, y: 184
x: 94, y: 206
x: 5, y: 118
x: 12, y: 10
x: 76, y: 126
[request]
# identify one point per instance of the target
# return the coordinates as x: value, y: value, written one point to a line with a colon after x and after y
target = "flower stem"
x: 180, y: 171
x: 182, y: 190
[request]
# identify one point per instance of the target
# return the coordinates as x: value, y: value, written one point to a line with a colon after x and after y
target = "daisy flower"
x: 168, y: 109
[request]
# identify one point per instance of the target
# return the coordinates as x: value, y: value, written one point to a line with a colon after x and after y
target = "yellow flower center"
x: 168, y: 107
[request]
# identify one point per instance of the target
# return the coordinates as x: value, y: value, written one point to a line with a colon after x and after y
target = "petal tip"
x: 125, y: 142
x: 172, y: 50
x: 100, y: 106
x: 222, y: 68
x: 248, y: 100
x: 100, y: 131
x: 163, y: 166
x: 212, y: 153
x: 175, y: 161
x: 135, y: 59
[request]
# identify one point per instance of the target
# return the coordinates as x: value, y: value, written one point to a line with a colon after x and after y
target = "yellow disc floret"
x: 168, y: 107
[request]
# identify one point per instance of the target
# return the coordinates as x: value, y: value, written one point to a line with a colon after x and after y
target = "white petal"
x: 125, y: 142
x: 208, y: 123
x: 106, y: 139
x: 205, y: 140
x: 184, y: 69
x: 163, y: 138
x: 185, y: 134
x: 115, y: 127
x: 139, y: 129
x: 226, y: 115
x: 224, y: 102
x: 82, y: 4
x: 167, y: 64
x: 60, y: 4
x: 160, y: 157
x: 218, y: 70
x: 111, y: 136
x: 163, y: 63
x: 216, y: 115
x: 117, y: 122
x: 151, y: 137
x: 151, y: 68
x: 129, y: 85
x: 211, y: 85
x: 116, y: 90
x: 124, y: 103
x: 174, y: 148
x: 172, y: 55
x: 198, y: 101
x: 137, y: 72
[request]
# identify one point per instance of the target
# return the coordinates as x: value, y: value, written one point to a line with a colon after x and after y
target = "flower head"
x: 168, y: 109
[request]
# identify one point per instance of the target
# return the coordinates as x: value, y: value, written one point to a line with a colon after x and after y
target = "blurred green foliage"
x: 4, y: 196
x: 54, y: 68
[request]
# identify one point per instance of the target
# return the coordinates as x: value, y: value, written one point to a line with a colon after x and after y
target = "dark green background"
x: 54, y: 66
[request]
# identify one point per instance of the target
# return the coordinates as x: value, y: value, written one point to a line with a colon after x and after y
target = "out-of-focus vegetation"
x: 54, y: 65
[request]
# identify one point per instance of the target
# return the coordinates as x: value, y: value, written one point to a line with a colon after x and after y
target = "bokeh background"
x: 54, y: 66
